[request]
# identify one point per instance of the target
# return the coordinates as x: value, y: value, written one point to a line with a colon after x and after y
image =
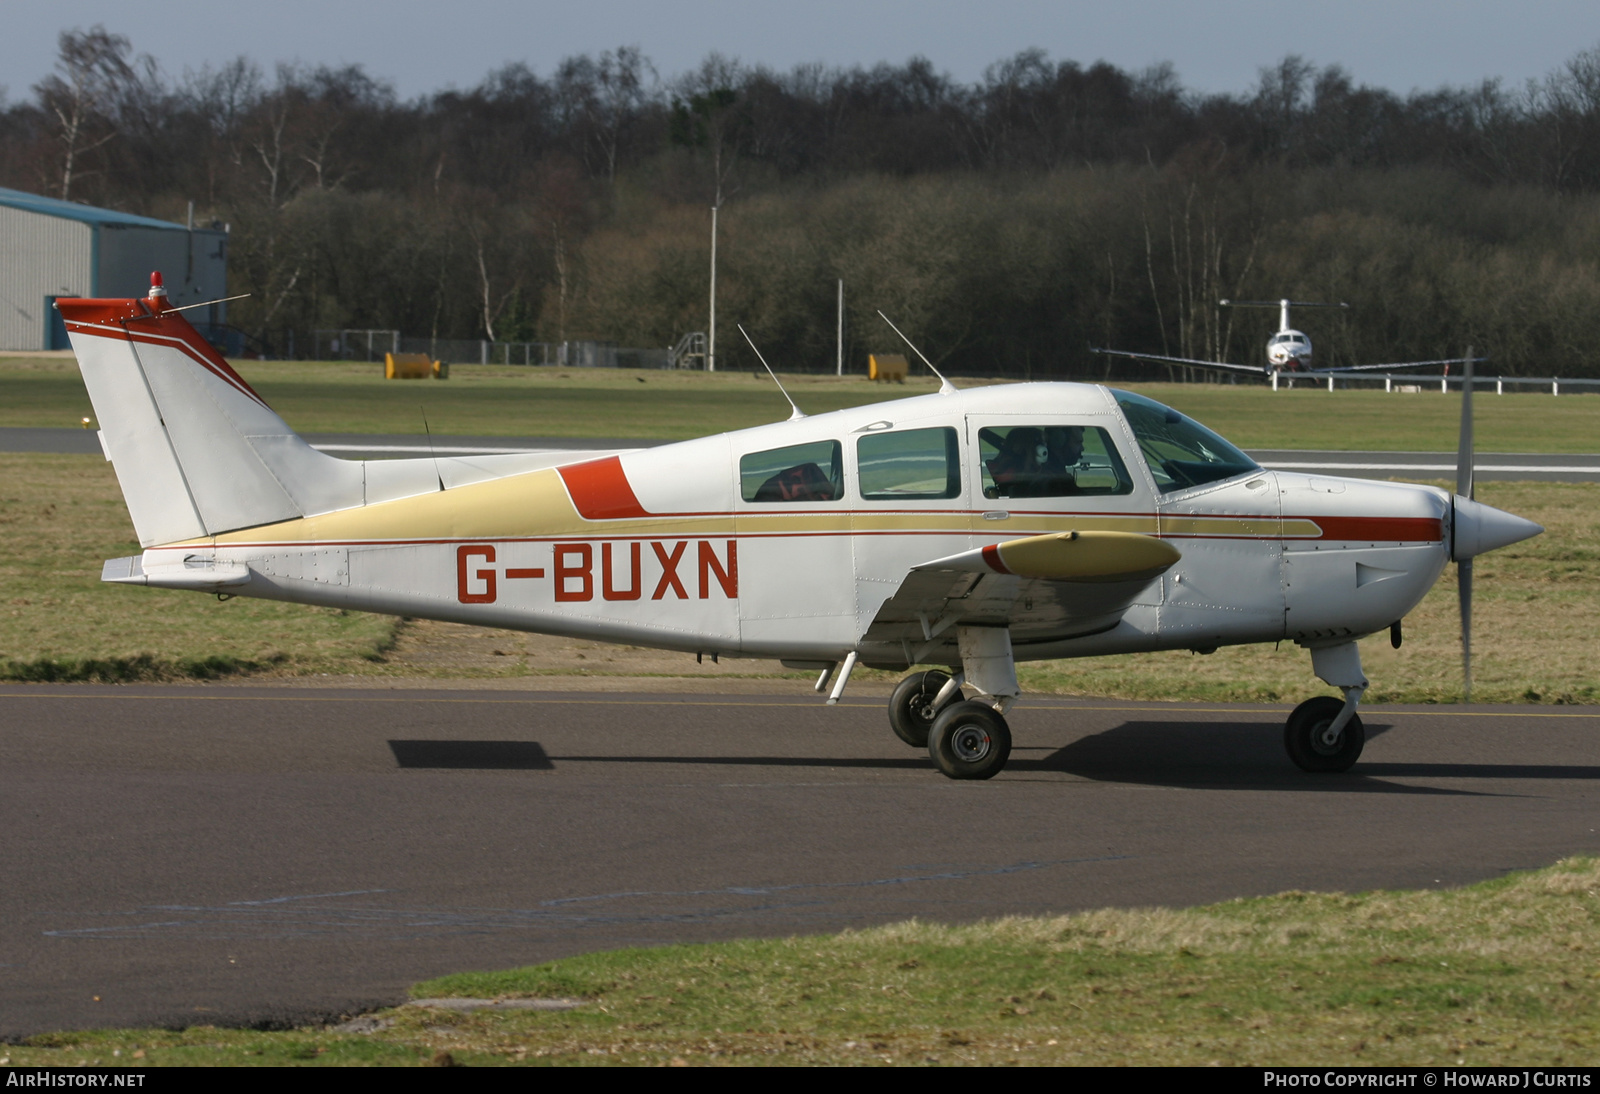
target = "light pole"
x: 711, y: 336
x: 839, y: 370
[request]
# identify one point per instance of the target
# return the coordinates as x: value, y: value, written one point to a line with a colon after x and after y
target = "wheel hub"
x: 970, y: 744
x: 1324, y: 740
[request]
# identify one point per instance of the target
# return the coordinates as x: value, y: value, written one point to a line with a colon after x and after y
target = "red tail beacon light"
x: 158, y: 292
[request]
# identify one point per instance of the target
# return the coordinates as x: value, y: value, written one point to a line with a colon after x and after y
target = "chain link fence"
x: 359, y: 344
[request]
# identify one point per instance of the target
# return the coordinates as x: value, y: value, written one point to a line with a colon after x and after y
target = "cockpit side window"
x: 1050, y: 461
x: 1179, y: 450
x: 797, y: 473
x: 910, y: 463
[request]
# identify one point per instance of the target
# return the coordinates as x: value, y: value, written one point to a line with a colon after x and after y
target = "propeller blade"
x: 1464, y: 591
x: 1464, y: 488
x: 1464, y: 456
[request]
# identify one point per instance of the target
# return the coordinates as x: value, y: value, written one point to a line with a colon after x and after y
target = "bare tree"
x: 626, y: 83
x: 92, y: 73
x: 706, y: 114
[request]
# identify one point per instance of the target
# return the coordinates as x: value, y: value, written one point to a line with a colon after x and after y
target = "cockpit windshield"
x: 1180, y: 451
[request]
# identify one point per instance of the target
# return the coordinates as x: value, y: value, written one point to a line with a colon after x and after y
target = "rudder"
x: 196, y: 450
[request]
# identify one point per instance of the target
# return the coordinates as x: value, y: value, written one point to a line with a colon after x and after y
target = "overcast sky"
x: 1216, y: 45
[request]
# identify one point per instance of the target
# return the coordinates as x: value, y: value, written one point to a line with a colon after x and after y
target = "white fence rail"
x: 1409, y: 382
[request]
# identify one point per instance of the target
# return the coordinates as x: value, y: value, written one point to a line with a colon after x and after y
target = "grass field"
x: 60, y: 517
x: 661, y: 405
x: 1497, y: 973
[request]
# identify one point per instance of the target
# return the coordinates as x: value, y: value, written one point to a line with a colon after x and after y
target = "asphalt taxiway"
x: 261, y: 855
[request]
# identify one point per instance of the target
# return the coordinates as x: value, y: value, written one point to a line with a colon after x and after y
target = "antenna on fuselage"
x: 945, y: 386
x: 798, y: 413
x: 435, y: 456
x: 1283, y: 307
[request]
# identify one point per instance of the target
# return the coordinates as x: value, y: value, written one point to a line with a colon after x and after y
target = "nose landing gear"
x: 1324, y: 734
x: 1315, y: 743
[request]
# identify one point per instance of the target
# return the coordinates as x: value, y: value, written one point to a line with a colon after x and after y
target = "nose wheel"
x: 1313, y: 744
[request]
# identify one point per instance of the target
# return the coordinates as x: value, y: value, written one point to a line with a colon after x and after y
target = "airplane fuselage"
x: 690, y: 546
x: 1289, y: 351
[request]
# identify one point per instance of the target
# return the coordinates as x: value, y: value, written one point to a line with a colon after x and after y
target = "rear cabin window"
x: 798, y: 473
x: 1050, y: 461
x: 913, y: 463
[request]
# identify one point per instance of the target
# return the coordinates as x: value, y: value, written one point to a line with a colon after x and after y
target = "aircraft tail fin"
x: 196, y: 450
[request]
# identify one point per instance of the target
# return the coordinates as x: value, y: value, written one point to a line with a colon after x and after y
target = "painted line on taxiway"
x: 655, y: 699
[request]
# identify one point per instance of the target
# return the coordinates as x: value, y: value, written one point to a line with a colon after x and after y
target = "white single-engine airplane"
x: 971, y: 529
x: 1288, y: 350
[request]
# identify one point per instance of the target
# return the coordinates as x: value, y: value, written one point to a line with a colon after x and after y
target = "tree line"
x: 1007, y: 224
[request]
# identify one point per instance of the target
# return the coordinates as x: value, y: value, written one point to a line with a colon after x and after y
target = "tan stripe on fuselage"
x: 536, y: 505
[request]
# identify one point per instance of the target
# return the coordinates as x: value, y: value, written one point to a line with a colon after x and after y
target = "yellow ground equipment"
x: 413, y: 366
x: 886, y: 367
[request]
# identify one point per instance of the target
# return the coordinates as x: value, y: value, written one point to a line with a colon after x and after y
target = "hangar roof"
x: 71, y: 210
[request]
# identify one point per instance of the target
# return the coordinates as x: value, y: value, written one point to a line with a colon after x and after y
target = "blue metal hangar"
x: 51, y: 248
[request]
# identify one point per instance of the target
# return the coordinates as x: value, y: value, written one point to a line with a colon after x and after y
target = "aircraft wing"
x: 1188, y: 362
x: 1396, y: 366
x: 1043, y: 588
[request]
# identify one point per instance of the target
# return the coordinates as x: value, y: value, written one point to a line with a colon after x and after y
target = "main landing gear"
x: 967, y: 738
x: 916, y: 703
x: 1324, y: 734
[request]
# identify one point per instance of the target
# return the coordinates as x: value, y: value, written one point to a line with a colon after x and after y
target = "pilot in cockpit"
x: 1035, y: 462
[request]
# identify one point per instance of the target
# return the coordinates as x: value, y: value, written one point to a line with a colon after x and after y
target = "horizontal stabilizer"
x: 194, y: 572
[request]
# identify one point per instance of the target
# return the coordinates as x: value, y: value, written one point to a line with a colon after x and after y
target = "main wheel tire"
x: 911, y: 711
x: 970, y: 740
x: 1305, y: 736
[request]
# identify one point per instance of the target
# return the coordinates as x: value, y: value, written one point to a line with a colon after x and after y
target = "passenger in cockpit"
x: 805, y: 482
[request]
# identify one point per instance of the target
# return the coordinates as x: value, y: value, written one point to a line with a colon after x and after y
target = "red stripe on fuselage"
x: 1379, y: 529
x: 600, y: 490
